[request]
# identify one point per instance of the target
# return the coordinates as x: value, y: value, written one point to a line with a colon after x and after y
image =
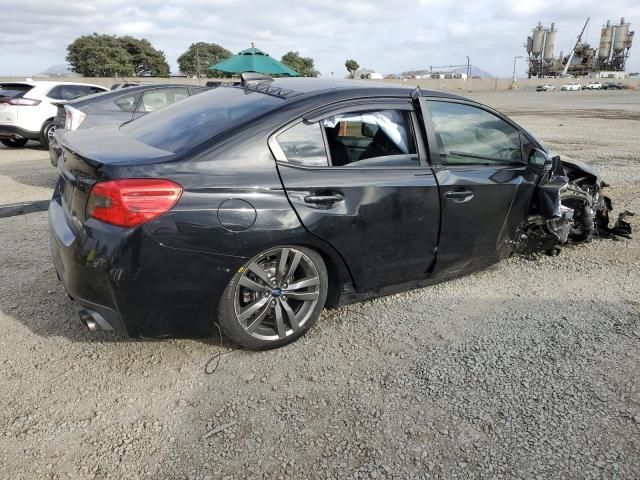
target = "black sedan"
x: 116, y: 107
x: 258, y: 205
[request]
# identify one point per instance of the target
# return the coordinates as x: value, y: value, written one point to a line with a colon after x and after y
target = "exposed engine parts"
x: 569, y: 208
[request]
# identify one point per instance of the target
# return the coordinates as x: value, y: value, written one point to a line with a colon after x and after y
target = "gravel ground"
x: 526, y: 370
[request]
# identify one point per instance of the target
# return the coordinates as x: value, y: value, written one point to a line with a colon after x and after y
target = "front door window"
x: 470, y: 135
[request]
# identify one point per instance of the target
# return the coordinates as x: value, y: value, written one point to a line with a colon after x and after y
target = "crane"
x: 566, y: 67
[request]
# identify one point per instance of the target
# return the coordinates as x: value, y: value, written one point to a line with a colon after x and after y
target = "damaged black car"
x: 257, y: 205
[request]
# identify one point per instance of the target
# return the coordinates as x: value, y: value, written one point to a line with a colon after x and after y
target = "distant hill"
x: 59, y: 70
x: 475, y: 71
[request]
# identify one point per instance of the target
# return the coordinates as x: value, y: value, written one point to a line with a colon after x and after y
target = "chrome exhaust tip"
x: 88, y: 321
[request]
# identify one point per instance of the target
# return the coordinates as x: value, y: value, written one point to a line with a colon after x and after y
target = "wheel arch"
x: 337, y: 270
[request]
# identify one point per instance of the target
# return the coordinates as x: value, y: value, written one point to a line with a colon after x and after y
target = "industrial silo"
x: 550, y: 43
x: 620, y: 36
x: 606, y: 39
x: 537, y: 43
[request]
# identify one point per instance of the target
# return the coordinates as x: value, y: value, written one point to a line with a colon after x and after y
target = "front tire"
x: 274, y: 298
x: 14, y: 142
x: 46, y: 134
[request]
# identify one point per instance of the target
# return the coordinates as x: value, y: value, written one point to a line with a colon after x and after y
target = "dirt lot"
x: 526, y: 370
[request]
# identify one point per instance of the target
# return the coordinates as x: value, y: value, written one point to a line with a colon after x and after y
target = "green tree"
x: 107, y: 55
x: 99, y: 56
x: 200, y: 56
x: 146, y: 60
x: 303, y: 65
x: 352, y: 66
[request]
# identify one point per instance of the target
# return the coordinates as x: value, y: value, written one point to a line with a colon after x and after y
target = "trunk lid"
x: 85, y: 156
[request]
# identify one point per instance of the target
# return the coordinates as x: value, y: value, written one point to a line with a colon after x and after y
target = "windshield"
x: 190, y: 122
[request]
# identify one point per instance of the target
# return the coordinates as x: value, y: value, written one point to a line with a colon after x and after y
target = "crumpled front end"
x: 569, y: 207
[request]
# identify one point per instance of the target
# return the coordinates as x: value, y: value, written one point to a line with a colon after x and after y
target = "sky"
x: 389, y: 36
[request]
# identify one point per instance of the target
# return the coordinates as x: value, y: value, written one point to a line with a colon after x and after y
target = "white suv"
x: 27, y: 109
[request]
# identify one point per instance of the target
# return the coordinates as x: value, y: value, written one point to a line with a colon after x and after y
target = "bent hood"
x: 576, y: 165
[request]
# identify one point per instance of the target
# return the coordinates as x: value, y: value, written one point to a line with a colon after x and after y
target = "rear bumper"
x: 87, y: 286
x: 11, y: 131
x: 135, y: 284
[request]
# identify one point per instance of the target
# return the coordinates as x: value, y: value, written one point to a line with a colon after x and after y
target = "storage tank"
x: 620, y: 36
x: 538, y: 40
x: 550, y: 43
x: 529, y: 44
x: 606, y: 38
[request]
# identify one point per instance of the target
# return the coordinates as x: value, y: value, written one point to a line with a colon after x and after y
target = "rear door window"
x: 470, y: 135
x: 303, y: 144
x: 359, y: 139
x: 382, y: 138
x: 158, y: 98
x: 127, y: 103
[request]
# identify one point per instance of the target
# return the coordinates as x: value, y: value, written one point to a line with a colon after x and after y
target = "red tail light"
x: 131, y: 202
x: 25, y: 102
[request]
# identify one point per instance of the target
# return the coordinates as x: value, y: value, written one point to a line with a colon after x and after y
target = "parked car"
x: 547, y: 87
x: 615, y: 86
x: 261, y: 204
x: 27, y: 109
x: 116, y: 107
x: 593, y: 86
x: 571, y: 86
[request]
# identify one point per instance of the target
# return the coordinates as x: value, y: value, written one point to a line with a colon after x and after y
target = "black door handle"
x: 459, y: 196
x: 325, y: 199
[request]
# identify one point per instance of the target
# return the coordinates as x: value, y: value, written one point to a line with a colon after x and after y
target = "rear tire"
x: 46, y: 134
x: 14, y: 142
x: 275, y: 298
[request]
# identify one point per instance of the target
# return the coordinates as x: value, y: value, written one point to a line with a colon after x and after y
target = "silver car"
x: 116, y: 107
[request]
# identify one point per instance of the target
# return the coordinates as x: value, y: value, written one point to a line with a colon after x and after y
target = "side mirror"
x: 540, y: 159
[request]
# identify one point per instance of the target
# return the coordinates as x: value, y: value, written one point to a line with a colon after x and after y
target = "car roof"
x: 300, y: 87
x: 49, y: 83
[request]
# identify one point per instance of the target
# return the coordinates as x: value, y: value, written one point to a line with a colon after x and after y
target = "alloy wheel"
x: 50, y: 132
x: 277, y: 293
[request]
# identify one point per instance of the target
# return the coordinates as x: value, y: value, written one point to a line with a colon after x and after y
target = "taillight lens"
x: 133, y: 201
x: 74, y: 118
x: 24, y: 102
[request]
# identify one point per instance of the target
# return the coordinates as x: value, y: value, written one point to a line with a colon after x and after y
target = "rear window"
x: 12, y: 90
x: 188, y: 123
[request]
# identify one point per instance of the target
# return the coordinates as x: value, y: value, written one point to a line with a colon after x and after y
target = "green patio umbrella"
x: 253, y: 60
